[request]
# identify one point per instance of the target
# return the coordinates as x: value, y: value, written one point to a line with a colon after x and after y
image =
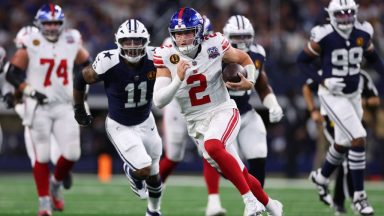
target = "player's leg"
x: 37, y: 137
x: 252, y: 142
x: 212, y: 178
x: 175, y: 130
x: 68, y: 141
x: 153, y: 145
x: 222, y: 130
x: 55, y: 155
x: 130, y: 147
x: 339, y: 197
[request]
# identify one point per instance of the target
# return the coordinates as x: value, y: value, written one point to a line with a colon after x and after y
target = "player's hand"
x: 40, y: 97
x: 316, y: 116
x: 335, y: 85
x: 82, y: 117
x: 9, y: 100
x: 275, y: 114
x: 244, y: 84
x: 182, y: 68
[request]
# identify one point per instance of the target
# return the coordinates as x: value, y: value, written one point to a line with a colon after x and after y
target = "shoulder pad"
x: 320, y: 31
x: 365, y: 26
x: 72, y: 36
x: 256, y: 48
x: 150, y: 50
x: 217, y: 39
x: 105, y: 60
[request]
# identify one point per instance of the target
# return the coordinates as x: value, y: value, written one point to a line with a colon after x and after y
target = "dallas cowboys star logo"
x: 107, y: 54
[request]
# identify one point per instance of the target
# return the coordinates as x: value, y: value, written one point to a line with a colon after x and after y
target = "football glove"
x: 335, y: 85
x: 82, y: 117
x: 275, y: 114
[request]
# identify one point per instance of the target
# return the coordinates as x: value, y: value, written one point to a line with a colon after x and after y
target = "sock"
x: 256, y: 188
x: 166, y: 167
x: 356, y: 162
x: 211, y: 177
x: 227, y: 164
x: 257, y: 169
x: 41, y: 175
x: 333, y: 160
x: 154, y: 194
x: 214, y: 200
x: 63, y: 166
x: 338, y: 197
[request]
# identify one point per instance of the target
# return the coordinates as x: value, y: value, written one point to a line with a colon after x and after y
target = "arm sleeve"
x: 374, y: 60
x: 165, y: 90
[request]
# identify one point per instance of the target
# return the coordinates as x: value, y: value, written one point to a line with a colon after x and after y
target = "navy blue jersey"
x: 340, y: 56
x: 129, y: 90
x: 257, y: 54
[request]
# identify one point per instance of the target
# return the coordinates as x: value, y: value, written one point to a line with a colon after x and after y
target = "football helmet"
x: 49, y: 20
x: 22, y: 32
x: 342, y: 14
x: 208, y: 29
x: 132, y: 38
x: 239, y: 32
x: 186, y: 20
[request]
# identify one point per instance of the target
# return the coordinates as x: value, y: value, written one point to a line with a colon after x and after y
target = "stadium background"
x: 281, y: 26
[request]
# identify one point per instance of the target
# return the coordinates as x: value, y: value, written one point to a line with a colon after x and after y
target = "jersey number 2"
x: 61, y: 70
x: 197, y: 89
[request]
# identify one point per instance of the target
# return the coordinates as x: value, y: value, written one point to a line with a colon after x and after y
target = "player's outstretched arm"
x: 305, y: 60
x: 87, y: 76
x: 233, y: 55
x: 308, y: 98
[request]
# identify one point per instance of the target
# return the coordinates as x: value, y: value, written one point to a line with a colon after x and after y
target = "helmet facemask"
x: 51, y: 29
x: 241, y: 41
x: 186, y: 40
x: 132, y: 49
x: 344, y: 19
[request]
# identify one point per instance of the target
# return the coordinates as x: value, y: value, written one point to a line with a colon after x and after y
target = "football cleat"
x: 68, y: 181
x: 215, y: 211
x: 45, y: 208
x: 339, y: 209
x: 361, y: 204
x: 322, y: 188
x: 253, y: 207
x: 274, y: 208
x: 57, y: 197
x: 138, y: 186
x: 152, y: 213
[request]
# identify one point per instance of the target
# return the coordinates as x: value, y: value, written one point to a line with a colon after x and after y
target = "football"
x: 230, y: 72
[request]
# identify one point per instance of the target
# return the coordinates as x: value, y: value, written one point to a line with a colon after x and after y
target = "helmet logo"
x: 359, y: 41
x: 174, y: 59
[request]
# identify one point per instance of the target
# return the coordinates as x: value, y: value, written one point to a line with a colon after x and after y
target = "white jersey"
x: 203, y: 89
x: 50, y: 66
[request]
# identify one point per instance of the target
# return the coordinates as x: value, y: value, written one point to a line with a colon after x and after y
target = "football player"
x: 43, y: 70
x: 341, y: 46
x: 176, y: 140
x: 190, y: 71
x: 19, y: 109
x: 371, y: 99
x: 129, y: 75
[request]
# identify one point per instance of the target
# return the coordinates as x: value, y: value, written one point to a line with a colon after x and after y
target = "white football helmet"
x: 26, y: 30
x: 342, y: 14
x: 132, y: 38
x: 239, y: 32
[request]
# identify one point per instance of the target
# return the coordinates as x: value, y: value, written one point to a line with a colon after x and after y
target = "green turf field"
x: 184, y: 196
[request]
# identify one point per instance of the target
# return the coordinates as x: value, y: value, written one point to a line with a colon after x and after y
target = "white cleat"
x: 215, y: 211
x: 322, y: 188
x: 253, y: 208
x: 361, y: 204
x: 274, y: 208
x: 138, y: 186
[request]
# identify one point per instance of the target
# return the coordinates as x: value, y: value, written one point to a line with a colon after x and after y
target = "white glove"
x: 335, y: 85
x: 275, y: 114
x: 275, y: 111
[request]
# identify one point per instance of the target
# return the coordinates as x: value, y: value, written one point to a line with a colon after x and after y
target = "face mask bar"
x: 344, y: 17
x: 51, y: 29
x: 133, y: 49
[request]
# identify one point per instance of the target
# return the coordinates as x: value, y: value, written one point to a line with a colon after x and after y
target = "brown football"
x: 230, y: 72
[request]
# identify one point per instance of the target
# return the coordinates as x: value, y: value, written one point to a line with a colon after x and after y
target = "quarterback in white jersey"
x: 212, y: 118
x: 47, y: 57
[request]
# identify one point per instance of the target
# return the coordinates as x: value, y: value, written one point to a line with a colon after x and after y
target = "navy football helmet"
x: 208, y: 29
x: 184, y: 21
x: 49, y: 20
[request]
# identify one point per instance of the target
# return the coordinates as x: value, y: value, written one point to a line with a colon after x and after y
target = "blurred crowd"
x: 281, y: 26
